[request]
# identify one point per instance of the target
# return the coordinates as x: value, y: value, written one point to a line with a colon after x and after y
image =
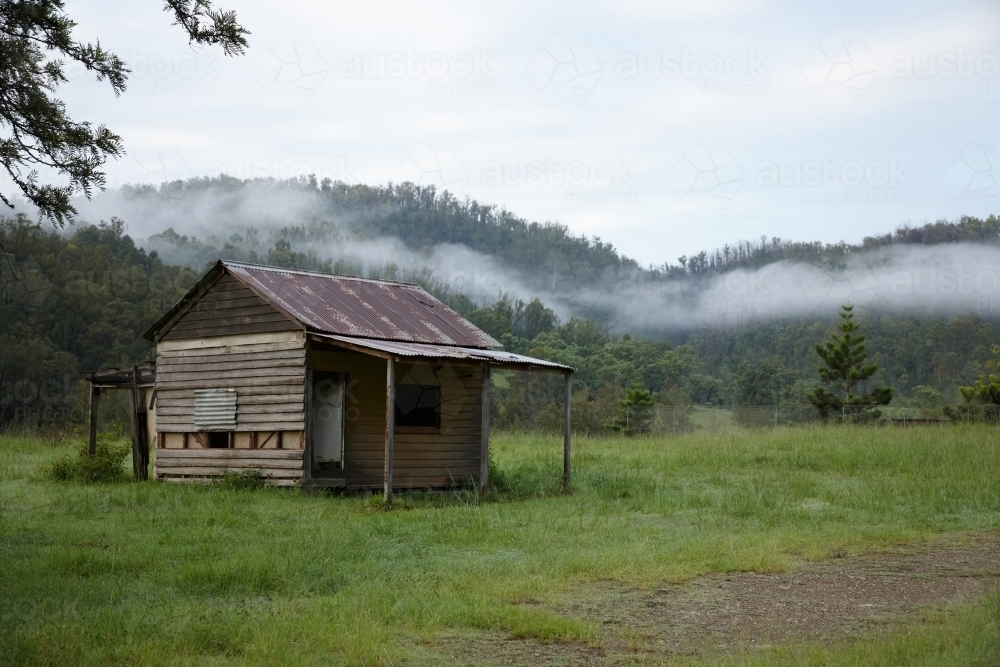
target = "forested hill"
x: 80, y: 300
x: 323, y: 218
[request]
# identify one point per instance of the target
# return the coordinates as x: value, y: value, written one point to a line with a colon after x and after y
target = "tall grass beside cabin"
x: 106, y: 466
x: 175, y: 574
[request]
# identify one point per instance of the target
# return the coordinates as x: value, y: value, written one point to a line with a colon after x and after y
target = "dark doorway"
x: 329, y: 393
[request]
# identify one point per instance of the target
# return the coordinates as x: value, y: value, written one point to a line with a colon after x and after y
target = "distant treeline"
x: 71, y: 304
x: 80, y: 301
x: 308, y: 224
x: 423, y: 217
x: 755, y: 254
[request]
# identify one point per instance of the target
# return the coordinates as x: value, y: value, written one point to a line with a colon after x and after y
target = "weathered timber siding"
x: 281, y: 467
x: 147, y: 395
x: 422, y: 459
x: 266, y: 370
x: 228, y: 307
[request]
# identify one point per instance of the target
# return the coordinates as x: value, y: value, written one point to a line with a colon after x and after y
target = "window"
x: 418, y: 405
x: 218, y: 439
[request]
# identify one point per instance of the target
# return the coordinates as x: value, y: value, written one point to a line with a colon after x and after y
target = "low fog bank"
x: 251, y: 219
x: 945, y: 279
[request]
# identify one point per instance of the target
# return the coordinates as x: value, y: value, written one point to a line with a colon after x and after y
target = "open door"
x: 328, y: 398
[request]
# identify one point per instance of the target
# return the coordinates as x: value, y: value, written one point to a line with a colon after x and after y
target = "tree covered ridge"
x: 81, y: 301
x: 71, y: 304
x: 546, y: 254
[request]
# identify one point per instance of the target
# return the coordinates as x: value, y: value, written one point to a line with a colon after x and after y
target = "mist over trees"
x: 480, y: 252
x: 79, y: 301
x: 422, y: 217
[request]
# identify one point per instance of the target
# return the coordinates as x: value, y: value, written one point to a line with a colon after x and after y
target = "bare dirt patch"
x: 826, y: 601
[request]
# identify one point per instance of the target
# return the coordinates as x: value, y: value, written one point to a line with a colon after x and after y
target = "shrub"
x: 106, y: 465
x: 241, y: 480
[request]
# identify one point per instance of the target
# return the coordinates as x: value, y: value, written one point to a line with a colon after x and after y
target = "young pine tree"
x: 639, y: 421
x: 844, y: 356
x: 986, y: 390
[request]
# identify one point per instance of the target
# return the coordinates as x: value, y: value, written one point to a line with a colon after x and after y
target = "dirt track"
x: 825, y: 601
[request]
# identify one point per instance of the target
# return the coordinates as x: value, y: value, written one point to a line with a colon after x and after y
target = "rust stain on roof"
x: 361, y: 307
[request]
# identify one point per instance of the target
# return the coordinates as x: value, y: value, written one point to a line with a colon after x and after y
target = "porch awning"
x: 391, y: 349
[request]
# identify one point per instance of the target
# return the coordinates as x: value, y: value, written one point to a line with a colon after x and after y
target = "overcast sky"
x: 662, y: 127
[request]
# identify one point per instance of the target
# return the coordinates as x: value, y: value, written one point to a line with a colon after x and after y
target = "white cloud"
x: 288, y: 98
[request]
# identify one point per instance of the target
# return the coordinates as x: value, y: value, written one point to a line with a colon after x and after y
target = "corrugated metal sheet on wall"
x: 215, y: 409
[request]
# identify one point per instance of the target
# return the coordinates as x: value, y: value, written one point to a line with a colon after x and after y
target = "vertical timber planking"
x: 95, y: 395
x: 307, y: 433
x: 140, y: 442
x: 390, y: 425
x: 484, y: 449
x: 567, y: 429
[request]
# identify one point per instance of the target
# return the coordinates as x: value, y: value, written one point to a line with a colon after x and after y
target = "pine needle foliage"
x: 36, y: 40
x: 845, y: 368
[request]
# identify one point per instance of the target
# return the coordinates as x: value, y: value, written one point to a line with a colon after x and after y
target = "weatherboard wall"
x: 267, y: 371
x: 228, y: 307
x: 424, y: 457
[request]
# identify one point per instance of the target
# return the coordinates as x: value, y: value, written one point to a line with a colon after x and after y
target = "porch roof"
x: 398, y: 350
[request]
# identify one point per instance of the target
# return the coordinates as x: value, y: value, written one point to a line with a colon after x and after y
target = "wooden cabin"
x: 325, y: 381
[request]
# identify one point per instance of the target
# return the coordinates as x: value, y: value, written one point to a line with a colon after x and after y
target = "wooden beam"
x: 95, y: 394
x: 140, y: 433
x: 390, y: 426
x: 567, y: 429
x: 307, y: 432
x: 484, y: 450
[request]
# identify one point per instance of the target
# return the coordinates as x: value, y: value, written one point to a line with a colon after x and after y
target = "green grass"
x: 202, y: 575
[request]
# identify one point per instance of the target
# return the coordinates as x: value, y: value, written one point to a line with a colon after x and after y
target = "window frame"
x: 400, y: 424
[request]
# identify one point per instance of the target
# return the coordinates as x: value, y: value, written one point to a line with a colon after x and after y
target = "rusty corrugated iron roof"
x: 361, y: 307
x: 497, y: 358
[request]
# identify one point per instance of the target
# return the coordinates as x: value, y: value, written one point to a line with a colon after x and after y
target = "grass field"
x: 151, y: 574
